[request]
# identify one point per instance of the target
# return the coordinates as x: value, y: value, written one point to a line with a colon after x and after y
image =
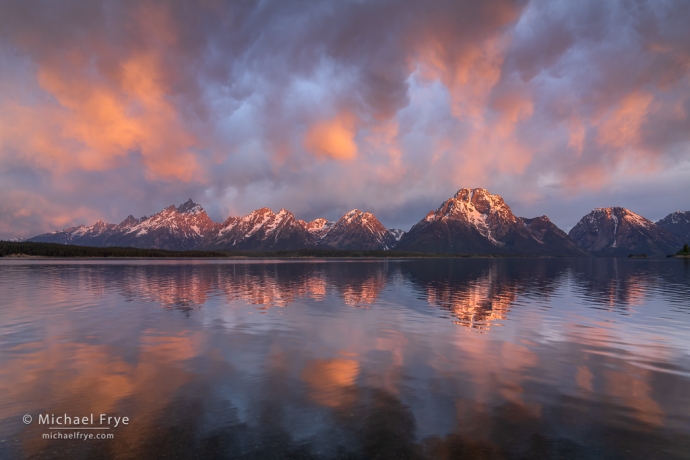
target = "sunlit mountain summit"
x: 475, y: 221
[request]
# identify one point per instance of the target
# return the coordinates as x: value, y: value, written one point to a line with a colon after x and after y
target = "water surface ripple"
x: 433, y: 358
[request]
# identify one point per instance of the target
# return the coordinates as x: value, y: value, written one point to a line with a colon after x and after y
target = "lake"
x: 388, y: 359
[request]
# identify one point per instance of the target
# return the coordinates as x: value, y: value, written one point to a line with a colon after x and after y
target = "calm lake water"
x: 447, y: 359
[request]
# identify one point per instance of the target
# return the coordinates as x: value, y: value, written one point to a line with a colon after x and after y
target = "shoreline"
x: 344, y: 257
x: 55, y: 251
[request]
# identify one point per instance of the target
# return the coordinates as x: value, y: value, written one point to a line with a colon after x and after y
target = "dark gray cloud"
x: 111, y: 108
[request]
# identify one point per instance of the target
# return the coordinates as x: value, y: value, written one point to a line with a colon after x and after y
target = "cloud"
x: 93, y: 118
x: 333, y: 138
x: 399, y: 103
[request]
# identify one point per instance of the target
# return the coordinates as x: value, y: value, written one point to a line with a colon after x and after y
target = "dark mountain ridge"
x: 677, y: 223
x: 617, y: 231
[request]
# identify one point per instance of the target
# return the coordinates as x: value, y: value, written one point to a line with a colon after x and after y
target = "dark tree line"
x: 67, y: 250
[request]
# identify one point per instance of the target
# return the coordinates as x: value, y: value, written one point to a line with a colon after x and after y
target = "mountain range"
x: 473, y: 221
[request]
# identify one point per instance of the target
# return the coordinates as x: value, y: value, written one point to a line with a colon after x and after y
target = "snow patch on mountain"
x: 318, y: 228
x: 397, y: 233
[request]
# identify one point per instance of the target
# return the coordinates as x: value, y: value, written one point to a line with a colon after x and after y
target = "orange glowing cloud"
x: 622, y: 126
x: 333, y: 138
x: 96, y: 118
x: 576, y: 139
x: 513, y: 107
x: 469, y: 69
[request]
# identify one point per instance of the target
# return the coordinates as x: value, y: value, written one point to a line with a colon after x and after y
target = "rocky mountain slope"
x: 261, y: 230
x: 545, y: 231
x: 317, y: 227
x: 619, y: 232
x: 475, y: 221
x: 358, y: 230
x: 677, y: 223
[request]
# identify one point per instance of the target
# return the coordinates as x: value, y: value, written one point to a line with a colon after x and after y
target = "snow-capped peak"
x: 349, y: 216
x: 317, y: 224
x: 486, y: 212
x: 615, y: 213
x: 473, y: 205
x: 356, y: 214
x: 358, y: 229
x: 318, y: 227
x: 190, y: 207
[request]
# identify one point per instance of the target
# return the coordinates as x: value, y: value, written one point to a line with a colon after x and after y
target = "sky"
x: 111, y: 108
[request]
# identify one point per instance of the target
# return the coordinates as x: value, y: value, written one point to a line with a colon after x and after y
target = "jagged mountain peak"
x: 474, y: 220
x: 261, y: 229
x: 677, y: 217
x: 616, y: 214
x: 527, y: 221
x: 478, y: 195
x: 130, y: 221
x: 318, y: 228
x: 677, y: 223
x: 317, y: 223
x: 358, y: 230
x: 284, y: 213
x: 475, y: 205
x: 479, y: 209
x: 619, y: 231
x: 190, y: 207
x: 618, y: 211
x: 357, y: 214
x: 262, y: 216
x: 260, y: 212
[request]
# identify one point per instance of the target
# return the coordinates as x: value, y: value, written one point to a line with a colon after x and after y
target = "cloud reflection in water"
x: 577, y: 369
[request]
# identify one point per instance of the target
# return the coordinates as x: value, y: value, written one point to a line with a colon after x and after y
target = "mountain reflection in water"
x: 433, y: 358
